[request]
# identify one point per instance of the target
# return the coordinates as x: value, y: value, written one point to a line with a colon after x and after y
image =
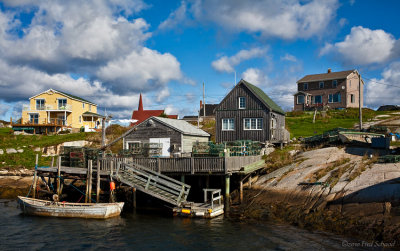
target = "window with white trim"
x: 253, y: 124
x: 334, y: 98
x: 83, y: 105
x: 334, y: 83
x: 62, y: 103
x: 305, y: 86
x: 300, y: 99
x: 228, y: 124
x: 40, y: 104
x: 321, y: 85
x: 133, y: 145
x: 34, y: 118
x: 242, y: 103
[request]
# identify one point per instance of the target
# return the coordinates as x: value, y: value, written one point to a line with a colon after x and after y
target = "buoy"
x: 112, y: 186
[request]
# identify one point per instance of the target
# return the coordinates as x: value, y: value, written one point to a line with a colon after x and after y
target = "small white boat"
x: 67, y: 209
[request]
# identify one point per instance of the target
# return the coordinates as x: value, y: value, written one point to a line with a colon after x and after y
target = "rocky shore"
x: 15, y: 182
x: 336, y: 189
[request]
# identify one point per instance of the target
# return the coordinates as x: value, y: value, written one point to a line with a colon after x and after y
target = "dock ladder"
x: 152, y: 183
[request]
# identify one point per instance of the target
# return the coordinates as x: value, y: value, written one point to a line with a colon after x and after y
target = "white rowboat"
x: 67, y: 209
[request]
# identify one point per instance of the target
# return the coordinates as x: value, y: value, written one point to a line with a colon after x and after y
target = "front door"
x: 165, y: 145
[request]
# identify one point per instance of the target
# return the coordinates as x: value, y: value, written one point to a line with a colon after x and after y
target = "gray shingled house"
x: 247, y: 113
x: 175, y: 136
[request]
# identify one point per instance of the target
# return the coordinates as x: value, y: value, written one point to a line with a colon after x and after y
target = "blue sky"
x: 110, y: 51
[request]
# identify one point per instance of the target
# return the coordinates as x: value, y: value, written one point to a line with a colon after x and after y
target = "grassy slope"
x: 28, y: 143
x: 300, y: 124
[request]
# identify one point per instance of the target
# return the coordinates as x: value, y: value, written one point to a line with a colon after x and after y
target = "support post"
x: 58, y: 176
x: 192, y: 165
x: 52, y: 161
x: 241, y: 192
x: 250, y: 181
x: 227, y: 192
x: 90, y: 180
x: 359, y: 102
x: 158, y: 165
x: 183, y: 178
x: 98, y: 182
x: 35, y: 178
x: 134, y: 198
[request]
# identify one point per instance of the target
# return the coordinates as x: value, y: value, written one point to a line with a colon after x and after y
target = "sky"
x: 110, y: 51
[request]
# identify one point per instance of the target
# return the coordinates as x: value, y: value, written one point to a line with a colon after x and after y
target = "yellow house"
x: 52, y: 111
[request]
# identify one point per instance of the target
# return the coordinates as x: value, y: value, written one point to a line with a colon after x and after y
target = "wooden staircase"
x: 152, y: 183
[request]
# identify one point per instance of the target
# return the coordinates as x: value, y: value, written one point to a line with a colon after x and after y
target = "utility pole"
x: 359, y: 102
x: 204, y: 103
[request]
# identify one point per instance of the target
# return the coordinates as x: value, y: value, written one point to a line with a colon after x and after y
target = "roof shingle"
x: 325, y: 76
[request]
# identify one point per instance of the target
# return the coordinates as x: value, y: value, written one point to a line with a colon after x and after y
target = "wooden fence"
x: 188, y: 165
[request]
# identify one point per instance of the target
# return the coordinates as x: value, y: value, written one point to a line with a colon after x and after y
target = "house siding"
x: 143, y: 132
x: 343, y: 87
x: 73, y: 114
x: 229, y: 108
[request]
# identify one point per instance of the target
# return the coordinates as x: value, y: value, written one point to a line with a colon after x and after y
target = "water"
x: 154, y: 232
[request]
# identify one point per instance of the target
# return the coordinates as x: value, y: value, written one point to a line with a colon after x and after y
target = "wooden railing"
x: 189, y: 165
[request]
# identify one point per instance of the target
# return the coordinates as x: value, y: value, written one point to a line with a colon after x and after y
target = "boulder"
x: 1, y: 151
x: 20, y: 150
x: 11, y: 150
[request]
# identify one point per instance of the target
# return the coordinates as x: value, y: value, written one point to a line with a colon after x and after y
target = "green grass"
x: 300, y: 124
x: 28, y: 143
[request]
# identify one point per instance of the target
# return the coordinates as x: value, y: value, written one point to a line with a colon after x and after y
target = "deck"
x: 173, y: 166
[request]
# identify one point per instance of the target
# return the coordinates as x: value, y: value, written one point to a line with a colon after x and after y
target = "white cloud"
x: 227, y: 64
x: 141, y: 70
x: 284, y: 19
x: 178, y: 17
x: 289, y: 57
x: 383, y: 91
x: 255, y: 76
x: 97, y: 39
x: 163, y: 94
x: 363, y: 46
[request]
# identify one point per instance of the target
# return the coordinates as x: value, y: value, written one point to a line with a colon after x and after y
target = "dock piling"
x: 59, y: 175
x: 227, y: 192
x: 90, y: 167
x: 98, y: 182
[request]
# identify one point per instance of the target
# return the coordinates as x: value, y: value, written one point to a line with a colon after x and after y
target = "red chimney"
x: 140, y: 103
x: 329, y: 70
x: 201, y: 104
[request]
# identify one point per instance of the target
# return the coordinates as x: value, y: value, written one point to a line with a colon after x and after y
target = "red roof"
x: 141, y: 115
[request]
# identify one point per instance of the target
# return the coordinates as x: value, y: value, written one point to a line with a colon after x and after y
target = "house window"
x: 242, y: 103
x: 334, y: 98
x: 321, y: 85
x: 62, y: 103
x: 90, y: 108
x: 34, y: 118
x: 352, y: 98
x: 300, y: 99
x: 334, y: 83
x: 83, y: 105
x: 228, y: 124
x: 134, y: 145
x: 253, y: 124
x: 305, y: 86
x: 40, y: 104
x: 80, y: 119
x: 316, y: 99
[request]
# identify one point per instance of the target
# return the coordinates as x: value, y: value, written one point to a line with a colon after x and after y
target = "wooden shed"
x: 175, y: 136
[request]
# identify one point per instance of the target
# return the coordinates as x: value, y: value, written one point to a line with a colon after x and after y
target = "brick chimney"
x: 329, y: 70
x: 201, y: 104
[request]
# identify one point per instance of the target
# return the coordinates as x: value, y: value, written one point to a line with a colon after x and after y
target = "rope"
x: 77, y: 189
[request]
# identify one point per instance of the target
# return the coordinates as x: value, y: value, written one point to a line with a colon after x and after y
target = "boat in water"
x: 38, y: 207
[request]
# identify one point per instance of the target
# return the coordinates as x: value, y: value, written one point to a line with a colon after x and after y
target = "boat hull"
x: 37, y: 207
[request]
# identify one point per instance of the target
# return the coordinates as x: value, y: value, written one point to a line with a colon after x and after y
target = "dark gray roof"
x: 325, y: 76
x: 209, y: 109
